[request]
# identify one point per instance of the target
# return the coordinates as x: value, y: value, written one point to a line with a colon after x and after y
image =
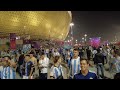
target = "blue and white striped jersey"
x: 28, y: 67
x: 5, y: 73
x: 117, y: 64
x: 8, y: 73
x: 12, y: 73
x: 74, y: 67
x: 1, y: 69
x: 56, y: 71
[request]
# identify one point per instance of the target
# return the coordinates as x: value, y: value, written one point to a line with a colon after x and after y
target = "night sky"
x: 104, y: 24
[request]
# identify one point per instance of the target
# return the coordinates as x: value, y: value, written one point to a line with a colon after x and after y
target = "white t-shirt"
x: 56, y: 54
x: 101, y: 49
x: 53, y: 50
x: 45, y: 64
x: 68, y: 53
x: 47, y: 50
x: 108, y: 51
x: 94, y: 52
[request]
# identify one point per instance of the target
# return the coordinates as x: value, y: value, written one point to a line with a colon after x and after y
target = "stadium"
x: 35, y: 24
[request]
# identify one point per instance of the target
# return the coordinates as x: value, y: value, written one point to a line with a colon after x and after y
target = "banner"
x: 26, y: 48
x: 13, y: 44
x: 12, y: 41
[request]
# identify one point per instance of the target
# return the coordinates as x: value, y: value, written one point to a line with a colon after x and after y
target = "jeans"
x: 100, y: 67
x: 70, y: 78
x: 20, y: 71
x: 110, y: 68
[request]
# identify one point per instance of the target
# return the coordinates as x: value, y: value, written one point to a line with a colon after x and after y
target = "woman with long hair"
x: 56, y: 71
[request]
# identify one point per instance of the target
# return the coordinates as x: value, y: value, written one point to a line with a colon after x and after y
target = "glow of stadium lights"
x: 85, y: 35
x: 82, y: 38
x: 24, y: 27
x: 17, y: 38
x: 76, y: 40
x: 71, y: 24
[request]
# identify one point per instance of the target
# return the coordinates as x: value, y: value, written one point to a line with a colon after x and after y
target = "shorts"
x: 25, y: 77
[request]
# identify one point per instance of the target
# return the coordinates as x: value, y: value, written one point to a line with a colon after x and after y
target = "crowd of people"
x: 60, y: 63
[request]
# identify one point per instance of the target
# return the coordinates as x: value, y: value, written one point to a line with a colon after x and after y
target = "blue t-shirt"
x: 90, y: 75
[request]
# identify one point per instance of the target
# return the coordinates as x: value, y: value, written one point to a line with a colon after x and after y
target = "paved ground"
x: 106, y: 73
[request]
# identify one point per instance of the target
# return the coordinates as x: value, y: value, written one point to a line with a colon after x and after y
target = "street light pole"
x: 85, y: 39
x: 71, y: 25
x: 76, y: 41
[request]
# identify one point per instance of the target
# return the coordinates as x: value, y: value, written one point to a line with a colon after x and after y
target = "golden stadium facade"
x: 36, y: 24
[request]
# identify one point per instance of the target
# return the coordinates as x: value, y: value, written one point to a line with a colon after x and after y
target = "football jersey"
x: 1, y: 69
x: 75, y: 66
x: 56, y: 71
x: 90, y: 75
x: 28, y: 66
x: 8, y: 73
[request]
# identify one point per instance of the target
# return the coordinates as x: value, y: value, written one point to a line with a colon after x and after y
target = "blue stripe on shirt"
x: 56, y: 73
x: 13, y: 74
x: 8, y: 73
x: 74, y: 67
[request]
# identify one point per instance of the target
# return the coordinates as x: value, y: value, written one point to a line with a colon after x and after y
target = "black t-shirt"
x: 21, y: 59
x: 88, y: 52
x: 99, y: 58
